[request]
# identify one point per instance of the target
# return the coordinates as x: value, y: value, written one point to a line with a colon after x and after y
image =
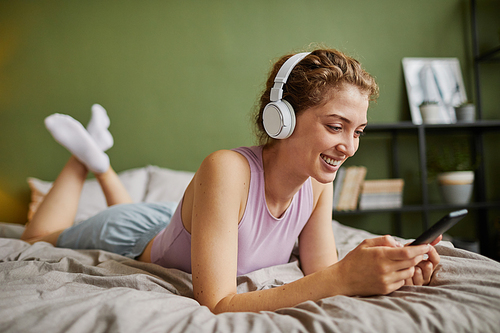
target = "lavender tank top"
x: 263, y: 240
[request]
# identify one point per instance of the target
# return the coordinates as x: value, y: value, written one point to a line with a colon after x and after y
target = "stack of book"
x: 381, y: 194
x: 347, y: 187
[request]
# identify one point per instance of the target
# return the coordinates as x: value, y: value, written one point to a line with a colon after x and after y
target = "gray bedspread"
x: 47, y: 289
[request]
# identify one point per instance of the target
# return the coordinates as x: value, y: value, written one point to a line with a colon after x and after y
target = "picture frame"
x: 434, y: 80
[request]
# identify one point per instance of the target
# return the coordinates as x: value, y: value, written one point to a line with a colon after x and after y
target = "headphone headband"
x: 283, y: 74
x: 278, y: 116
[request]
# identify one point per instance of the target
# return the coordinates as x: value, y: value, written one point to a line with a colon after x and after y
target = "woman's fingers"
x: 390, y: 265
x: 418, y: 276
x: 428, y: 266
x: 427, y: 269
x: 409, y: 282
x: 424, y: 269
x: 409, y: 263
x: 381, y: 241
x: 404, y: 275
x: 437, y: 240
x: 407, y: 252
x: 434, y: 257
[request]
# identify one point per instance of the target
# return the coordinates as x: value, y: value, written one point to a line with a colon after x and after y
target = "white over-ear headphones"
x: 278, y: 116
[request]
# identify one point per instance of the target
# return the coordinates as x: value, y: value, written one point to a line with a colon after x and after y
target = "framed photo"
x: 437, y: 81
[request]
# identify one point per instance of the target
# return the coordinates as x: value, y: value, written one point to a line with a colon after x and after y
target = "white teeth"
x: 330, y: 161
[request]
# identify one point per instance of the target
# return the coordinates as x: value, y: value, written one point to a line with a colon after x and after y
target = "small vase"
x: 456, y: 187
x: 466, y: 113
x: 430, y: 113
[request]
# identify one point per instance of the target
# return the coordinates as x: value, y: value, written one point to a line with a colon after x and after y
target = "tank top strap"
x: 253, y: 155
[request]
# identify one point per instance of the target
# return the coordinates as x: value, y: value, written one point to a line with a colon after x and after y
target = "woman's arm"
x: 317, y: 245
x: 375, y: 267
x: 220, y: 188
x: 316, y: 241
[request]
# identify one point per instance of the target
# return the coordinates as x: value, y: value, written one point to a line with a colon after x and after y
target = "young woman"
x: 245, y: 208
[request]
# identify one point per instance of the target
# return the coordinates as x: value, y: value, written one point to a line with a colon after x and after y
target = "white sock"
x: 98, y: 127
x: 75, y: 138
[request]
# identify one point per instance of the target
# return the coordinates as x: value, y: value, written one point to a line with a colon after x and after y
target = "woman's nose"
x: 348, y: 146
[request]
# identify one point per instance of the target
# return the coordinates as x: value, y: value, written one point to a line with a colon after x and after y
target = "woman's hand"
x: 424, y: 269
x: 379, y: 266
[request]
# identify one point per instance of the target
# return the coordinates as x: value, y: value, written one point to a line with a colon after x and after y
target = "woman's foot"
x: 98, y: 127
x: 75, y: 138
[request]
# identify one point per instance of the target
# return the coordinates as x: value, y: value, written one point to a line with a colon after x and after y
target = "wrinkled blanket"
x: 47, y: 289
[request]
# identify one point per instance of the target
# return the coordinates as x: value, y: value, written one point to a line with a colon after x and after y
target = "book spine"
x: 337, y: 186
x: 360, y: 177
x: 347, y: 188
x: 351, y: 188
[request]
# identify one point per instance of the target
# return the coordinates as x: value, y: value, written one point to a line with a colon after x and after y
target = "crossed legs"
x: 58, y: 210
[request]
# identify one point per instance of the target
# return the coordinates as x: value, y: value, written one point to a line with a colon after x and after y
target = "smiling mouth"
x: 330, y: 161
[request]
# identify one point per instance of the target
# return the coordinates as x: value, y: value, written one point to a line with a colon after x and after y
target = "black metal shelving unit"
x: 481, y: 206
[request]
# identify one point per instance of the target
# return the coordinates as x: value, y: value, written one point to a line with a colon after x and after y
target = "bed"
x: 48, y: 289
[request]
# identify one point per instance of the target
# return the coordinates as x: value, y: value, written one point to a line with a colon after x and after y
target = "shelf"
x: 404, y: 209
x: 425, y: 208
x: 478, y: 124
x: 492, y: 55
x: 408, y: 125
x: 420, y: 208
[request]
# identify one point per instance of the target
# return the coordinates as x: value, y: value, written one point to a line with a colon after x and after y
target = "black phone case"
x: 440, y: 227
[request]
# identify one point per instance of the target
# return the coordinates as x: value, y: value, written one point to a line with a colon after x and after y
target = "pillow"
x: 92, y: 199
x: 11, y: 230
x: 166, y: 185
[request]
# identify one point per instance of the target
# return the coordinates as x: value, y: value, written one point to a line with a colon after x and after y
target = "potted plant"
x: 466, y: 112
x: 453, y: 166
x: 429, y: 110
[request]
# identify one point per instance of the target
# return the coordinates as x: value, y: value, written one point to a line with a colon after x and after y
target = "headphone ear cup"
x: 279, y: 119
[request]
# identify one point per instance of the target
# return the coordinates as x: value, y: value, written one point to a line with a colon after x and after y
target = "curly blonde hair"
x: 313, y: 81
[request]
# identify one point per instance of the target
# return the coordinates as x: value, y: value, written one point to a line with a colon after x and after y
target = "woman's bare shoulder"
x: 225, y: 155
x: 224, y: 168
x: 225, y: 161
x: 223, y: 176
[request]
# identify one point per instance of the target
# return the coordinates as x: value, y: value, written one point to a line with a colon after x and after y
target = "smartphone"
x: 440, y: 227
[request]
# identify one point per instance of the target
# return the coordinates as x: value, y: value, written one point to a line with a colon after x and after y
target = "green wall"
x: 180, y: 78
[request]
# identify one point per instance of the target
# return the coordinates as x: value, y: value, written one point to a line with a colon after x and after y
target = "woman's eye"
x: 335, y: 128
x: 360, y: 133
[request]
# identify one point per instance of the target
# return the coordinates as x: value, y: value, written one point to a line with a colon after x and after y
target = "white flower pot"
x: 430, y: 114
x: 456, y: 187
